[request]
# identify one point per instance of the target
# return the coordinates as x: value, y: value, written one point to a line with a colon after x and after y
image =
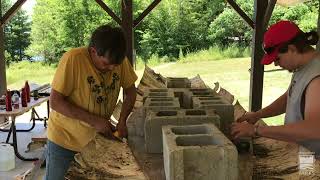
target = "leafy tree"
x: 229, y: 27
x: 59, y: 25
x: 46, y: 41
x: 174, y: 27
x: 178, y: 25
x: 17, y: 34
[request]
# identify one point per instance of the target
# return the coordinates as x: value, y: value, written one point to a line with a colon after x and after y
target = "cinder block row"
x: 223, y: 108
x: 197, y: 92
x: 199, y: 152
x: 160, y: 103
x: 173, y: 82
x: 157, y: 93
x: 156, y: 119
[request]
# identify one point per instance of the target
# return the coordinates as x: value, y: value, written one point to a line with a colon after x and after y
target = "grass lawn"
x: 232, y: 74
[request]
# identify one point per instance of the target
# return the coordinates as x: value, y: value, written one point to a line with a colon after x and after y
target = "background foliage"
x: 174, y: 29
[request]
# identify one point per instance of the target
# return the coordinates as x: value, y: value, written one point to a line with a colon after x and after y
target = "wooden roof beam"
x: 235, y: 6
x: 109, y: 11
x: 268, y: 14
x: 137, y: 21
x: 8, y: 15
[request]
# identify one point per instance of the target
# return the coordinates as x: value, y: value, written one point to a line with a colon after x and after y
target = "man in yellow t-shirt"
x: 84, y: 93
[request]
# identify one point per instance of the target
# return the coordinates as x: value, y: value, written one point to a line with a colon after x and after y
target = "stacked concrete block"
x: 223, y: 108
x: 156, y: 119
x: 199, y: 152
x: 158, y: 93
x: 173, y: 82
x: 197, y: 92
x: 160, y: 103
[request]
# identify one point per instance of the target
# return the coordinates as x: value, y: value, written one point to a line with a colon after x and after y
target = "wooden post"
x: 256, y: 80
x: 318, y: 45
x: 3, y: 79
x: 127, y: 26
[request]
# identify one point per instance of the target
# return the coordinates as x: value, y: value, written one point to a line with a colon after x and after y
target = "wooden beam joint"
x: 137, y: 21
x: 109, y: 11
x: 8, y: 15
x: 268, y: 13
x: 235, y: 6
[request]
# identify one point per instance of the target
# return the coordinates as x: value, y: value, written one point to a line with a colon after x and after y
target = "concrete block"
x: 180, y: 93
x: 198, y: 116
x: 173, y: 82
x: 199, y: 152
x: 163, y: 103
x: 223, y: 108
x: 197, y: 92
x: 156, y: 119
x: 158, y: 93
x: 152, y: 128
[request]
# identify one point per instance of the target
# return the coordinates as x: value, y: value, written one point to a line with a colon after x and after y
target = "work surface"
x: 271, y: 159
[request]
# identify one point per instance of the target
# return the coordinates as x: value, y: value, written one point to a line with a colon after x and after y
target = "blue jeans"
x: 58, y: 160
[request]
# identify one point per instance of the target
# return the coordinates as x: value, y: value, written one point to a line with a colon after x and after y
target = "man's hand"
x: 103, y: 126
x: 250, y: 117
x: 122, y: 129
x: 243, y: 129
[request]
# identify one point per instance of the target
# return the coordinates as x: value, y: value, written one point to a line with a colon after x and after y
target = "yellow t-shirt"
x: 85, y: 86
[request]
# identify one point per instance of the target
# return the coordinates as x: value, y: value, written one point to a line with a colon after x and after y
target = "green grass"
x: 232, y: 74
x: 35, y: 72
x: 216, y: 53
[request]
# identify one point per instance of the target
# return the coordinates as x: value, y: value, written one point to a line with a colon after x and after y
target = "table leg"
x: 15, y: 144
x: 33, y: 119
x: 9, y: 134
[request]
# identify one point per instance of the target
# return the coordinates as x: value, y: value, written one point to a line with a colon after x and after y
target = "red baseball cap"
x: 277, y: 34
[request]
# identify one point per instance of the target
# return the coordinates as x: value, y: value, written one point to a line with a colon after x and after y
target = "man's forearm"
x: 294, y: 132
x: 63, y: 106
x: 128, y: 103
x: 276, y: 108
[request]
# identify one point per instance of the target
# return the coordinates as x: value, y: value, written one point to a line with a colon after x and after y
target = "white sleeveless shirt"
x: 294, y: 112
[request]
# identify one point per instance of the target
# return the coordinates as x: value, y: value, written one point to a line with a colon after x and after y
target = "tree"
x: 59, y: 25
x: 176, y: 25
x: 17, y: 35
x: 229, y: 28
x: 45, y: 31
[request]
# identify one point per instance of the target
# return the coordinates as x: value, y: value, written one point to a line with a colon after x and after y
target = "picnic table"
x: 11, y: 116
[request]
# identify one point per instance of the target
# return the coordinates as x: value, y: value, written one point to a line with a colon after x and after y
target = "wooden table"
x: 11, y: 115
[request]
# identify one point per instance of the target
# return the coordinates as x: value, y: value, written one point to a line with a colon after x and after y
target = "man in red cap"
x: 290, y: 48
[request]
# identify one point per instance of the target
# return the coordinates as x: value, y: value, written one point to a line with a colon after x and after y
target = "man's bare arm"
x: 130, y: 99
x: 307, y: 129
x: 59, y: 103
